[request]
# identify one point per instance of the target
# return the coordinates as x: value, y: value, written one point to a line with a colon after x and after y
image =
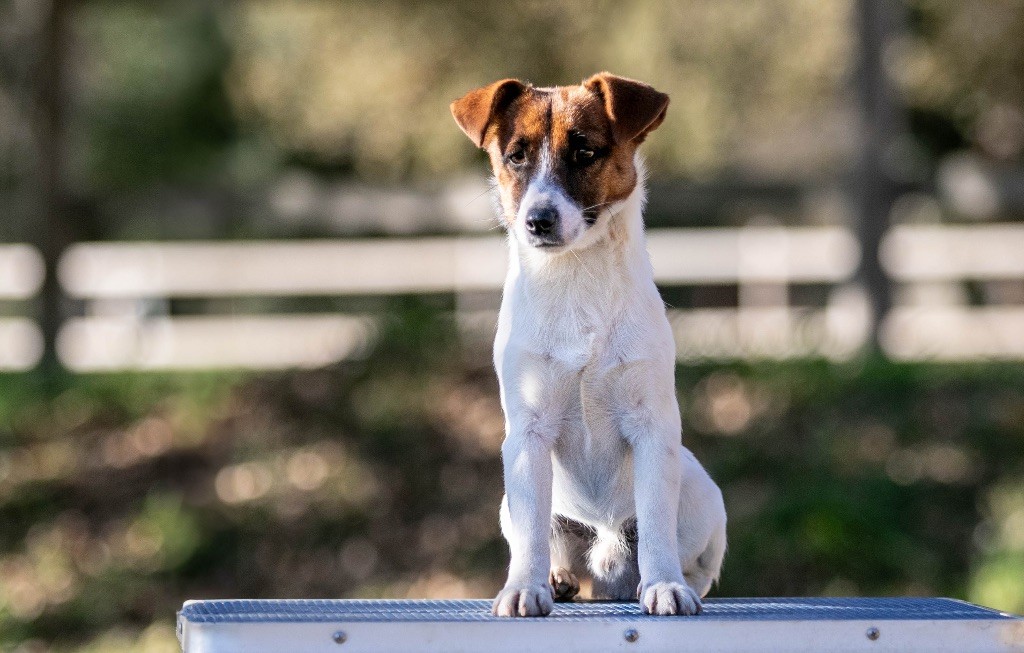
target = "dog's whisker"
x: 481, y: 194
x: 489, y: 224
x: 600, y: 204
x: 584, y: 267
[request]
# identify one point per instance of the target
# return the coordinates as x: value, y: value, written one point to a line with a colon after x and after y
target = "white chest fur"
x: 583, y: 349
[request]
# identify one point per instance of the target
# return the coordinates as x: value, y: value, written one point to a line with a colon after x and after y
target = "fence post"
x: 53, y: 234
x: 883, y: 133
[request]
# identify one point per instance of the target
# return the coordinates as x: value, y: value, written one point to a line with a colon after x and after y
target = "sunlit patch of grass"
x: 158, y: 637
x: 998, y: 582
x: 997, y: 579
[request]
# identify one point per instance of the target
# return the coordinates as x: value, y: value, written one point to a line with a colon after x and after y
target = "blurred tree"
x: 149, y: 102
x: 364, y: 87
x: 962, y: 65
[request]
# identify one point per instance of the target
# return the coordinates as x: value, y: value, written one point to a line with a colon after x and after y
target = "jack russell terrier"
x: 595, y: 475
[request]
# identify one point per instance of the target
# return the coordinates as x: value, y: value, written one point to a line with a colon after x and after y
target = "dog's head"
x: 562, y: 156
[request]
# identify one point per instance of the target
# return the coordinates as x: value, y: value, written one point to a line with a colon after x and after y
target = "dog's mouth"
x: 545, y: 241
x: 547, y: 244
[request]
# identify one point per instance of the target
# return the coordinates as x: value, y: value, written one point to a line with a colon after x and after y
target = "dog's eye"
x: 582, y: 155
x: 517, y: 156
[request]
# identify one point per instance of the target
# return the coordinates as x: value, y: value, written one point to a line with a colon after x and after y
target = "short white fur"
x: 586, y: 361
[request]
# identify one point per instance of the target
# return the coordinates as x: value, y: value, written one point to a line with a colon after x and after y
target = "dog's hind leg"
x: 613, y: 564
x: 702, y: 572
x: 701, y: 530
x: 568, y: 540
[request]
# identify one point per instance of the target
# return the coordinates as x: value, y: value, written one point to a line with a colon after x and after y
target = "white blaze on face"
x: 544, y: 190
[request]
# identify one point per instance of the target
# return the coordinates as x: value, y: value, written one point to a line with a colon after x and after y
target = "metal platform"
x: 830, y: 624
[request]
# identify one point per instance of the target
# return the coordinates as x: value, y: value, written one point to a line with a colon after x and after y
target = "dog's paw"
x: 532, y: 601
x: 667, y: 598
x: 564, y: 584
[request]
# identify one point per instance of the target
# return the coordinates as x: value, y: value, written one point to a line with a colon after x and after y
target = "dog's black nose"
x: 541, y: 220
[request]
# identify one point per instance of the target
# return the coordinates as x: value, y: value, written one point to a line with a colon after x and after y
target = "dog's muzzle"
x: 542, y: 226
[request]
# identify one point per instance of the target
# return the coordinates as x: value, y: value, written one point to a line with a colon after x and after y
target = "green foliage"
x: 153, y: 105
x: 961, y: 67
x: 367, y: 85
x: 122, y: 496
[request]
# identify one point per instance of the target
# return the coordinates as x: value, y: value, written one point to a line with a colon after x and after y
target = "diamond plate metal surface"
x: 776, y: 609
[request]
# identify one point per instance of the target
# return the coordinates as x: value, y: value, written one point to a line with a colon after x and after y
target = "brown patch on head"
x: 517, y: 147
x: 477, y: 110
x: 582, y: 138
x: 595, y: 168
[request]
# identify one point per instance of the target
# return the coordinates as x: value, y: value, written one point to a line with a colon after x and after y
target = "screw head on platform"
x: 631, y: 635
x: 339, y: 637
x: 873, y: 633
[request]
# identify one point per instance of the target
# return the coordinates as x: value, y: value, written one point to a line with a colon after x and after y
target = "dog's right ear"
x: 475, y: 110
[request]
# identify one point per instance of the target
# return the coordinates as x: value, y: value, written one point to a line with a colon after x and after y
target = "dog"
x: 596, y: 476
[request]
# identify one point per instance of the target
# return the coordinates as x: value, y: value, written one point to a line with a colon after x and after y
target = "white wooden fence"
x: 21, y: 277
x: 935, y: 319
x: 115, y: 278
x: 125, y: 288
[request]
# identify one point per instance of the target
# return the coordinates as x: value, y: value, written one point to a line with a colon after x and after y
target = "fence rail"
x: 414, y: 265
x: 119, y: 284
x: 945, y: 253
x: 21, y: 277
x: 21, y: 272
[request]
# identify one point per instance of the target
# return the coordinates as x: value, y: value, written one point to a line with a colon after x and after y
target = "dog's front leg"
x: 656, y: 491
x: 526, y: 522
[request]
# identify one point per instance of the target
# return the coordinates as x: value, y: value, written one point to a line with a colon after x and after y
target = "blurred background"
x: 249, y: 272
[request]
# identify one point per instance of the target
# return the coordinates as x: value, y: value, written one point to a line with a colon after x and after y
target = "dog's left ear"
x: 634, y: 108
x: 476, y: 110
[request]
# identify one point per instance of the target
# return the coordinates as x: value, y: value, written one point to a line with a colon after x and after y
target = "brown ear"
x: 634, y: 108
x: 475, y: 110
